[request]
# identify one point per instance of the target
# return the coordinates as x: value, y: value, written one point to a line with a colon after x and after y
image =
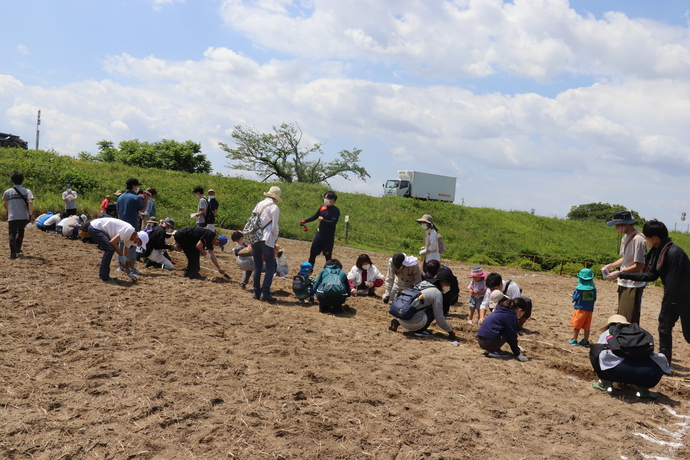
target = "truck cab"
x: 397, y: 187
x: 421, y: 185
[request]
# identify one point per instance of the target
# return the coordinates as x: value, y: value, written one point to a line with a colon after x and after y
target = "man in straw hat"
x: 670, y: 263
x: 632, y: 260
x: 263, y: 250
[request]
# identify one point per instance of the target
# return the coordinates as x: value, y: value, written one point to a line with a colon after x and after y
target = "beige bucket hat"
x: 274, y: 192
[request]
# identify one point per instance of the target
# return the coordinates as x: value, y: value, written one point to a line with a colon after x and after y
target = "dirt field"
x: 171, y: 368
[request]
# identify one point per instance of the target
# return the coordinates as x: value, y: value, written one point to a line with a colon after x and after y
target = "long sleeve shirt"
x: 673, y: 269
x: 270, y: 213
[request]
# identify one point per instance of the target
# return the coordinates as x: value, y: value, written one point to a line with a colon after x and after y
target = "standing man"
x: 114, y: 235
x: 263, y: 250
x: 327, y: 216
x: 69, y: 196
x: 671, y: 263
x: 19, y: 206
x: 212, y: 210
x: 201, y: 208
x: 129, y: 205
x: 632, y: 260
x: 150, y: 208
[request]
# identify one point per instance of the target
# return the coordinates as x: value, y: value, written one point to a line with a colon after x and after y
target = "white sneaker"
x: 134, y: 271
x: 120, y: 269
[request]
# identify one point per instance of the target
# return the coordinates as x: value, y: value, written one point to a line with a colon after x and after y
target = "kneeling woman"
x: 501, y: 326
x: 430, y: 308
x: 643, y: 372
x: 364, y: 277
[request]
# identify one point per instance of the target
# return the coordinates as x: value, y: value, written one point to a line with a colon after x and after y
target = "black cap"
x: 111, y: 207
x: 131, y: 182
x: 398, y: 259
x: 443, y: 275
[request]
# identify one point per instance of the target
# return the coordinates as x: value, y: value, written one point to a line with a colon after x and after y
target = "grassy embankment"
x: 473, y: 235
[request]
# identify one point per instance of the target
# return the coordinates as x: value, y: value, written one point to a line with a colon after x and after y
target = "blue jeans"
x: 262, y: 252
x: 103, y: 242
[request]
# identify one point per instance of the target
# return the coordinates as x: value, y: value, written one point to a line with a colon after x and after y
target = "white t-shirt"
x: 113, y: 227
x: 634, y: 252
x: 513, y: 292
x: 53, y: 220
x: 71, y: 197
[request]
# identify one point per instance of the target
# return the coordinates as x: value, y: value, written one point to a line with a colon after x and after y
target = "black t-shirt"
x: 192, y: 235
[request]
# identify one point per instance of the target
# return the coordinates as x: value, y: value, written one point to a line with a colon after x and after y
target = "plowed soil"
x: 172, y: 368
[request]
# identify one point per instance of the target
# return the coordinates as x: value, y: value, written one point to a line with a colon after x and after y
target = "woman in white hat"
x: 430, y: 249
x: 263, y: 250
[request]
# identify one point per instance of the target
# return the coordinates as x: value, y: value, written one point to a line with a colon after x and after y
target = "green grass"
x: 473, y: 235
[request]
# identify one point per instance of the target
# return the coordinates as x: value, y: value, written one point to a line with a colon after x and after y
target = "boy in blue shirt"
x: 302, y: 283
x: 583, y: 298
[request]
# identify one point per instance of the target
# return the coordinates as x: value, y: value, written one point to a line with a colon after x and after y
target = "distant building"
x: 10, y: 140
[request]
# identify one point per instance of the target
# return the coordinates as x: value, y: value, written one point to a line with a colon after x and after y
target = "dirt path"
x: 171, y: 368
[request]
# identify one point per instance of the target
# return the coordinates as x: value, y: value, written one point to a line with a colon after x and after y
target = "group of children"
x: 330, y: 288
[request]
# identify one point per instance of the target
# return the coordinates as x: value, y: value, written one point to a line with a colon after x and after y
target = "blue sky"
x: 532, y: 104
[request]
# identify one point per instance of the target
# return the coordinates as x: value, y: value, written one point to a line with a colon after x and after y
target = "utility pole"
x: 38, y: 123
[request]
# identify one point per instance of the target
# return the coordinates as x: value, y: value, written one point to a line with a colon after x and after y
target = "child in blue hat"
x: 583, y: 299
x: 302, y: 283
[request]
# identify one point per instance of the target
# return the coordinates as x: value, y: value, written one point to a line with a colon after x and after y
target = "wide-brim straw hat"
x: 152, y: 220
x: 274, y: 192
x: 617, y: 319
x: 427, y: 219
x: 613, y: 319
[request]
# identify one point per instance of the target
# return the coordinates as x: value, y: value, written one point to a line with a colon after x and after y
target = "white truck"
x: 424, y: 186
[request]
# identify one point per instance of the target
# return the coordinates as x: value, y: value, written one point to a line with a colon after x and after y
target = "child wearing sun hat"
x: 477, y: 288
x: 583, y: 299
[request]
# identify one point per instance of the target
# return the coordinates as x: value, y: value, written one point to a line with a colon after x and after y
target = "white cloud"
x: 538, y: 39
x: 158, y: 4
x: 522, y: 150
x: 23, y: 50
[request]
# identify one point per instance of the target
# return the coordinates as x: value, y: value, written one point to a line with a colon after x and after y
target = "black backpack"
x: 407, y: 303
x: 630, y: 341
x: 210, y: 217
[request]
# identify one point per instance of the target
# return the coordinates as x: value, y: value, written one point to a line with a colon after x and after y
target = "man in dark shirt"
x: 212, y: 210
x: 196, y: 242
x: 327, y: 216
x: 129, y: 204
x: 670, y: 263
